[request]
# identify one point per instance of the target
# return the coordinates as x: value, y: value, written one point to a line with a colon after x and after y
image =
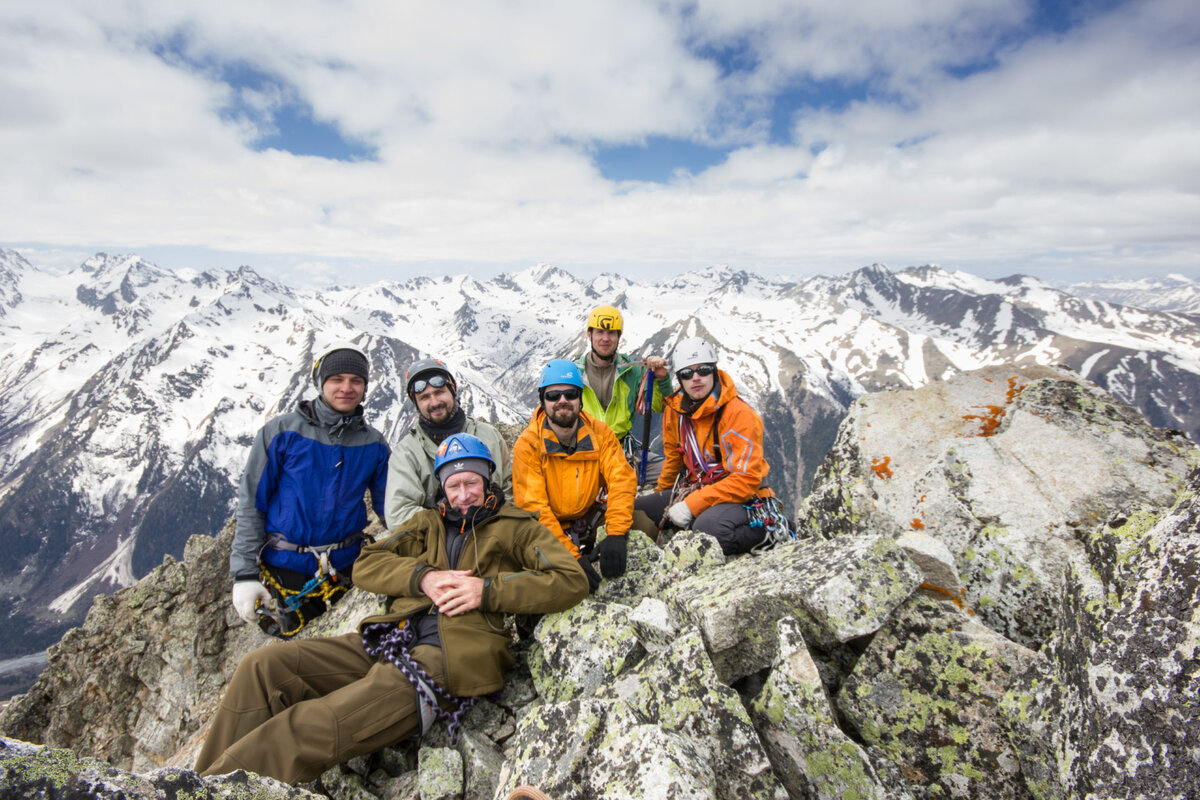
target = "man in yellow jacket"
x: 570, y: 470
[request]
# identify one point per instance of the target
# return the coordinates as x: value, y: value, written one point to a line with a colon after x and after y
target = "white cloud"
x: 1081, y: 150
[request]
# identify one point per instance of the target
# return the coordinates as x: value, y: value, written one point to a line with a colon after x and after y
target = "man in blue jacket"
x: 301, y: 514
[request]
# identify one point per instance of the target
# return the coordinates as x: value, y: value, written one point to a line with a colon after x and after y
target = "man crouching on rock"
x: 451, y: 573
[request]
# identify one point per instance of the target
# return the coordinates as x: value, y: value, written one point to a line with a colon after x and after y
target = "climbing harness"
x: 707, y: 470
x: 322, y: 590
x: 394, y: 641
x: 767, y: 513
x: 583, y: 530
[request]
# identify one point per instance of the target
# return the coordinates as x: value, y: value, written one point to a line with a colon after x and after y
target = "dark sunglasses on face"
x: 436, y: 381
x: 704, y: 370
x: 555, y: 395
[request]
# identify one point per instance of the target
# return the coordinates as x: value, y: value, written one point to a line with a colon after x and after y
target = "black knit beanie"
x: 343, y: 362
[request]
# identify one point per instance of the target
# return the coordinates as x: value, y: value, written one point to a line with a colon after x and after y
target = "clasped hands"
x: 453, y: 591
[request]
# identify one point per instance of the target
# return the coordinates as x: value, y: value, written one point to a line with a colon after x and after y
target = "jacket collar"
x: 622, y: 363
x: 550, y: 444
x: 318, y: 413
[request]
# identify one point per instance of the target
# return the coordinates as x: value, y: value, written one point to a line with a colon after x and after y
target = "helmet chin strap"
x: 606, y: 359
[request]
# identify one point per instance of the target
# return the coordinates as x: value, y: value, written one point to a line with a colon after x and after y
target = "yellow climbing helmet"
x: 605, y: 318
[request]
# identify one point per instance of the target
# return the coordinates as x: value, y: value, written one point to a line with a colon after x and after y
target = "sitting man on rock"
x: 570, y: 470
x: 411, y: 485
x: 300, y: 515
x: 450, y: 574
x: 713, y: 474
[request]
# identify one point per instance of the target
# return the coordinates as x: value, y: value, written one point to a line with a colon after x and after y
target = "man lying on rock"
x: 451, y: 573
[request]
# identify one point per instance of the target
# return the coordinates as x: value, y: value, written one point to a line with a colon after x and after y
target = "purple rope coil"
x: 394, y: 643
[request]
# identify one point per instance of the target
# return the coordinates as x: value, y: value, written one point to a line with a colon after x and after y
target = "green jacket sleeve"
x: 393, y: 565
x: 551, y: 579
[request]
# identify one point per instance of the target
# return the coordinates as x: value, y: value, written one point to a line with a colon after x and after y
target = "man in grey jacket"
x: 411, y: 485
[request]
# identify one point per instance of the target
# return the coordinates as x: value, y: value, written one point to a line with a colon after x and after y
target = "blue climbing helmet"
x: 560, y: 371
x: 463, y: 452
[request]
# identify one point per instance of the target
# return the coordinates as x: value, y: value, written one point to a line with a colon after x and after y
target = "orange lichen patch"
x: 880, y: 467
x: 917, y: 524
x: 955, y: 598
x: 990, y: 421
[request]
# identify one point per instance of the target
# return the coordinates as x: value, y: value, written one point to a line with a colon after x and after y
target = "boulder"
x: 29, y: 770
x: 836, y: 591
x: 795, y: 719
x: 653, y: 624
x: 482, y: 762
x: 692, y: 553
x: 440, y: 774
x: 647, y: 570
x: 1116, y: 711
x: 934, y: 559
x: 581, y: 649
x: 927, y: 692
x: 649, y: 733
x: 1006, y: 466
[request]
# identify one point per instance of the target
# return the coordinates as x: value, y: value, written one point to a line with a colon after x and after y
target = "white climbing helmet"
x: 692, y: 351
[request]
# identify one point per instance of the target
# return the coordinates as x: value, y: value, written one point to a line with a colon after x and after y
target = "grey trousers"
x: 296, y: 708
x: 728, y: 523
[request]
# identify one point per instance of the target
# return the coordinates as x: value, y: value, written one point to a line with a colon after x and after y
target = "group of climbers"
x: 464, y: 519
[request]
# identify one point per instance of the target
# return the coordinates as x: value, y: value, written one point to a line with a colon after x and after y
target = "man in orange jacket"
x: 570, y: 470
x: 713, y: 443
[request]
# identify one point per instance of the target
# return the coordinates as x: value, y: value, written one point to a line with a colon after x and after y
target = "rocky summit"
x: 993, y: 594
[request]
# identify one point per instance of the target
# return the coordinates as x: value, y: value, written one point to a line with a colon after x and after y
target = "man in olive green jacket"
x: 294, y: 709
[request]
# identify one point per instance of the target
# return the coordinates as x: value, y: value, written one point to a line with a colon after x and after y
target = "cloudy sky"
x: 351, y: 141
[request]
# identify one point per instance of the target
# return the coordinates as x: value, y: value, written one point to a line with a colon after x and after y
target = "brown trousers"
x: 296, y: 708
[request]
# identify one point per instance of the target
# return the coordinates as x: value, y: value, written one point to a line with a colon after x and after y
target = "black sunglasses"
x: 554, y: 395
x: 419, y: 385
x: 704, y: 370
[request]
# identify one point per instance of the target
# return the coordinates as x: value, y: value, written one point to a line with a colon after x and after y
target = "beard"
x: 564, y: 415
x: 440, y: 415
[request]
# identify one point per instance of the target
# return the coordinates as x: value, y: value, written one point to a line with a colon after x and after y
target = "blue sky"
x: 361, y: 140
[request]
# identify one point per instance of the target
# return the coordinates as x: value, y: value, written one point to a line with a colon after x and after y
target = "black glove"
x: 590, y: 571
x: 612, y: 556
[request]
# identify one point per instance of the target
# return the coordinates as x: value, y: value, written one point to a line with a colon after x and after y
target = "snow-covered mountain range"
x: 131, y: 392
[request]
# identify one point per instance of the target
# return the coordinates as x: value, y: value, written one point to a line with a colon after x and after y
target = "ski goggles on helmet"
x: 704, y: 370
x: 554, y: 395
x: 420, y: 384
